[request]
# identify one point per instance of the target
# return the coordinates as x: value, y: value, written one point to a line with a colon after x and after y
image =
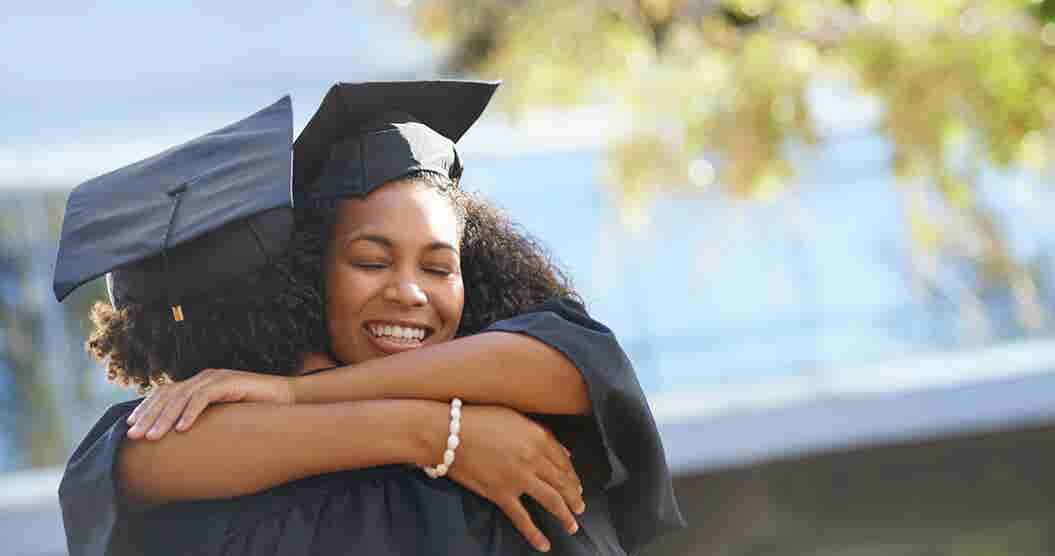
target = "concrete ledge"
x: 29, y: 489
x: 30, y: 518
x: 739, y: 438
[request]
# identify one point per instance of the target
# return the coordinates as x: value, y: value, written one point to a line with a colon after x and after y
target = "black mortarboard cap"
x: 366, y: 134
x: 185, y: 221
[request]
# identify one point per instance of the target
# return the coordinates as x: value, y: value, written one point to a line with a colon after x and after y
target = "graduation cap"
x: 366, y: 134
x: 185, y: 221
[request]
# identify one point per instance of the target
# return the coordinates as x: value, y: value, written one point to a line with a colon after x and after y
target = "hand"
x: 503, y: 455
x: 185, y: 400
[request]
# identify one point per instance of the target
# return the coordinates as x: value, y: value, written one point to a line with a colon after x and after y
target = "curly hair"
x: 504, y: 269
x: 269, y: 331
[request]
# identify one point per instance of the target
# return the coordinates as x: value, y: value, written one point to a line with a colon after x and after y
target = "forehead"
x: 404, y: 210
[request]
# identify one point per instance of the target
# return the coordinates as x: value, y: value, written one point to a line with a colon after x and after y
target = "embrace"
x: 345, y: 353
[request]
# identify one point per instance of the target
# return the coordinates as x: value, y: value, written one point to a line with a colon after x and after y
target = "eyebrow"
x: 385, y: 242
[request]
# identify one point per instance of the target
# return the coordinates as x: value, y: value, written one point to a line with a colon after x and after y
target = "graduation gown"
x: 397, y: 510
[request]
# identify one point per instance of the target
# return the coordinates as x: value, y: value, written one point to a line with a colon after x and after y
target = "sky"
x: 90, y: 86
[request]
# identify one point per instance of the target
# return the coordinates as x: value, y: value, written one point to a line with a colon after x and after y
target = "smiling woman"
x: 393, y: 272
x: 429, y: 295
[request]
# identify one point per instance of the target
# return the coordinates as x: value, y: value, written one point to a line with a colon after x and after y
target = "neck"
x: 314, y: 362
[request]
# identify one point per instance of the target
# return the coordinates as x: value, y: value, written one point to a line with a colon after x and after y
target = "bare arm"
x: 238, y: 449
x: 242, y: 448
x: 494, y: 368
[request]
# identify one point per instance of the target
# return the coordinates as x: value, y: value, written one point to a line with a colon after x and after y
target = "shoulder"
x: 560, y: 313
x: 101, y: 441
x: 114, y: 415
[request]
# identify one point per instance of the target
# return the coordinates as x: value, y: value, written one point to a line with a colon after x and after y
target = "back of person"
x: 272, y: 318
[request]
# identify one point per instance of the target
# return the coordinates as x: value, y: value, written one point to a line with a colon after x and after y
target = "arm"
x: 545, y: 353
x: 238, y: 449
x: 636, y: 478
x: 504, y: 455
x: 536, y: 362
x: 479, y: 369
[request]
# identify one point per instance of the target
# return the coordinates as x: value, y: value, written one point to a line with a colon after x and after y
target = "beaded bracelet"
x: 452, y: 443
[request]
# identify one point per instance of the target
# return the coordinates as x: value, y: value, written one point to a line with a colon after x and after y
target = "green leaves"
x: 962, y: 84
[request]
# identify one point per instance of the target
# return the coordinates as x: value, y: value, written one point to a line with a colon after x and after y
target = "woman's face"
x: 393, y: 279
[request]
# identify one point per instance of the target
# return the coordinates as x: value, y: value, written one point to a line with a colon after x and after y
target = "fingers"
x: 553, y: 502
x: 148, y: 411
x: 168, y: 415
x: 566, y: 484
x: 564, y: 476
x: 134, y: 416
x: 522, y: 521
x: 155, y: 415
x: 557, y: 453
x: 198, y: 402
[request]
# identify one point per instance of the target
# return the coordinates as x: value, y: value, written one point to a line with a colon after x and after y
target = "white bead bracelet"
x: 452, y: 443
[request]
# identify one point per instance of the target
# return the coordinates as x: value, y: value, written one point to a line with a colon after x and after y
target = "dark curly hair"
x: 505, y: 271
x: 143, y: 345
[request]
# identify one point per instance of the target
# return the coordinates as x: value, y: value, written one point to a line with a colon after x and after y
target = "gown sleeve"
x: 91, y: 508
x: 638, y: 484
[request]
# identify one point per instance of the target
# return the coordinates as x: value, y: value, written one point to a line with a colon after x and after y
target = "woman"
x: 425, y: 288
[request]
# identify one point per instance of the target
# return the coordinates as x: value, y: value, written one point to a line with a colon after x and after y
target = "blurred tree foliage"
x: 42, y: 366
x: 721, y: 91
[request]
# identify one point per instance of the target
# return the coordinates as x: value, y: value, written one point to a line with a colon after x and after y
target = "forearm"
x: 237, y: 449
x: 494, y: 368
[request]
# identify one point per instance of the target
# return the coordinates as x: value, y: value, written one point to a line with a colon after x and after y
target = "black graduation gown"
x: 397, y: 510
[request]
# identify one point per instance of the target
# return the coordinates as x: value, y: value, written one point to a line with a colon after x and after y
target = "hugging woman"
x: 396, y: 294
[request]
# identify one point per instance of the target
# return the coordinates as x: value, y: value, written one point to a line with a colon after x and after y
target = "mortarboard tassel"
x: 177, y: 310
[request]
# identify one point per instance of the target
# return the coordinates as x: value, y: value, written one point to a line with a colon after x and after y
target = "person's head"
x: 378, y: 161
x: 266, y: 321
x: 393, y: 271
x: 418, y: 262
x: 202, y: 265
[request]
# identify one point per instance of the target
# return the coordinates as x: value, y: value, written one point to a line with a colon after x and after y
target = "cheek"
x: 449, y: 303
x: 346, y: 293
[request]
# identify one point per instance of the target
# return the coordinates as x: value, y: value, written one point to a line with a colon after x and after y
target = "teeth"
x: 398, y: 332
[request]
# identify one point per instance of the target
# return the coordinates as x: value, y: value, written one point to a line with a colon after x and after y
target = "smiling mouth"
x: 401, y: 334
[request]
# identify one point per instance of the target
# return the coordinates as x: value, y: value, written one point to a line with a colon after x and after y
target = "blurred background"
x: 822, y: 230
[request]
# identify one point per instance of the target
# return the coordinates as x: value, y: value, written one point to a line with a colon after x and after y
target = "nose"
x: 406, y: 292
